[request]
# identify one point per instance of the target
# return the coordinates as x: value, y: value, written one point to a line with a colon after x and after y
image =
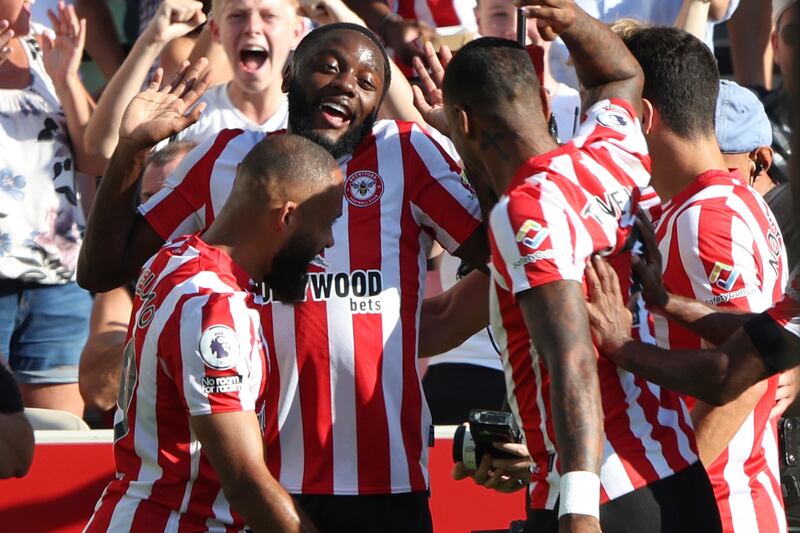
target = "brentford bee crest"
x: 363, y: 188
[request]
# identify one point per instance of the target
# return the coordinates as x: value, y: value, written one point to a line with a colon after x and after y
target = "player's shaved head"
x: 280, y: 214
x: 284, y: 168
x: 492, y: 76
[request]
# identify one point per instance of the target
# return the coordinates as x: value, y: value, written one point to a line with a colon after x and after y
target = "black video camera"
x: 484, y: 428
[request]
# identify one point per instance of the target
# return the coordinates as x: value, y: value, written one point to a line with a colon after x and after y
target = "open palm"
x: 160, y: 112
x: 432, y: 108
x: 62, y: 56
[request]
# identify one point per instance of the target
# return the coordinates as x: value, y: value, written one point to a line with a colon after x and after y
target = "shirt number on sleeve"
x: 127, y: 383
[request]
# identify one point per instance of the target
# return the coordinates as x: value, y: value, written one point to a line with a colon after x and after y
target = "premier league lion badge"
x: 363, y: 188
x: 219, y: 347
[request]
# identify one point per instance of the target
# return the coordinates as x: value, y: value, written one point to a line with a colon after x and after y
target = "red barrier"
x: 66, y: 479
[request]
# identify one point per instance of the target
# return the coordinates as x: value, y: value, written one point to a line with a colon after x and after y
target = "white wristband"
x: 579, y: 494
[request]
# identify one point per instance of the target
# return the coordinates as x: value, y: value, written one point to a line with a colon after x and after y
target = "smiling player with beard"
x: 188, y: 429
x: 347, y: 427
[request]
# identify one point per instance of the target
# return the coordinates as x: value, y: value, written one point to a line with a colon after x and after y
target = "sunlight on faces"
x: 335, y: 90
x: 257, y: 36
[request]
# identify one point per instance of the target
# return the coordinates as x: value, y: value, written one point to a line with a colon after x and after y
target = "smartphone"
x: 522, y: 26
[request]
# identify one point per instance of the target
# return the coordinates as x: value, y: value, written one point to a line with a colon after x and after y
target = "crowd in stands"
x: 282, y: 239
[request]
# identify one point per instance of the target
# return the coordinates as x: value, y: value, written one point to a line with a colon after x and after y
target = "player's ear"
x: 647, y: 115
x: 463, y: 121
x: 212, y: 24
x: 287, y: 216
x: 763, y: 155
x: 545, y: 102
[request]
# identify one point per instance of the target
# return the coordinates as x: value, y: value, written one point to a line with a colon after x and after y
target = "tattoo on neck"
x: 492, y: 140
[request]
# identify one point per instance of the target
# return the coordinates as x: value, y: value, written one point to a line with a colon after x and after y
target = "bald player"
x: 188, y: 431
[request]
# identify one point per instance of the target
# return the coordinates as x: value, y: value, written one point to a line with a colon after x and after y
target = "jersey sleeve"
x: 184, y: 203
x: 786, y: 313
x: 215, y: 370
x: 524, y: 253
x: 441, y: 199
x: 611, y: 134
x: 711, y: 257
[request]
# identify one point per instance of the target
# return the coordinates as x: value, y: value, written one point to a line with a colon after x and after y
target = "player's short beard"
x: 289, y: 274
x: 300, y: 124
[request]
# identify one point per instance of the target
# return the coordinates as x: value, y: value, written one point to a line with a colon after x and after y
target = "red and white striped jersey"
x: 194, y: 348
x: 561, y: 208
x: 438, y: 13
x: 720, y: 244
x: 346, y: 413
x: 787, y: 312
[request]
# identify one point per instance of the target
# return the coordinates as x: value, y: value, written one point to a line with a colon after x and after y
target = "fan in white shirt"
x: 256, y: 36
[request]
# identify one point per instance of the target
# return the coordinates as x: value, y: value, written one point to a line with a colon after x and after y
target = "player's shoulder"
x: 185, y: 264
x: 723, y: 197
x: 429, y: 145
x: 240, y: 138
x: 387, y: 129
x: 230, y: 141
x: 612, y: 121
x: 610, y: 109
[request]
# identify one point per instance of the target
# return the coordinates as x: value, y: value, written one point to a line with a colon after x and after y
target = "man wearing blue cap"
x: 744, y: 134
x: 745, y: 138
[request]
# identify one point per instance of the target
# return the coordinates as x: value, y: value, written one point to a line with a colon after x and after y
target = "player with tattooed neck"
x: 615, y: 451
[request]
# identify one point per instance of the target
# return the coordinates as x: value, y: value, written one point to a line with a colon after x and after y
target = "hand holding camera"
x: 489, y: 449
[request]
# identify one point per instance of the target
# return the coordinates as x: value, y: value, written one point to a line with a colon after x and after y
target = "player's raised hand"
x: 62, y: 56
x: 161, y: 110
x: 647, y: 267
x: 174, y: 18
x: 432, y: 108
x: 553, y: 17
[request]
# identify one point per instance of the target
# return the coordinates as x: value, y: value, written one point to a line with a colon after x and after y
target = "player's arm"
x: 235, y: 447
x: 714, y: 376
x: 614, y: 73
x: 700, y: 318
x: 475, y: 250
x: 451, y: 317
x: 715, y: 426
x: 700, y: 254
x: 117, y: 240
x: 444, y: 203
x: 404, y: 36
x: 101, y: 358
x: 555, y: 315
x: 173, y: 19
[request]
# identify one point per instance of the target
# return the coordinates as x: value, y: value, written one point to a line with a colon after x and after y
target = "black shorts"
x: 380, y: 513
x: 444, y: 385
x: 681, y: 503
